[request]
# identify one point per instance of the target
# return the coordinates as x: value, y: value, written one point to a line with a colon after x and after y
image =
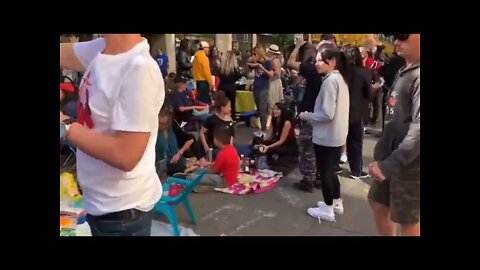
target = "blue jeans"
x: 261, y: 100
x: 140, y: 225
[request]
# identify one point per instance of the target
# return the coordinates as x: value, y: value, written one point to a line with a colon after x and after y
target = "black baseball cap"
x: 180, y: 79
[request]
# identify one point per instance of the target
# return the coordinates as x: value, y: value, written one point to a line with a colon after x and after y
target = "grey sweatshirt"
x: 330, y: 114
x: 398, y: 151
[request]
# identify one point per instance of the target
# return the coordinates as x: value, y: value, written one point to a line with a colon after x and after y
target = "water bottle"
x: 252, y: 166
x: 246, y: 166
x: 210, y: 155
x: 242, y: 163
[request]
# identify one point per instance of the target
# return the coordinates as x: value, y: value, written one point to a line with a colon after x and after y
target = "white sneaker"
x: 324, y: 212
x: 337, y: 206
x: 344, y: 158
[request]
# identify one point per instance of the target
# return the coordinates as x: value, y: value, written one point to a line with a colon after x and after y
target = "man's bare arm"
x: 68, y: 59
x: 122, y: 150
x: 292, y: 63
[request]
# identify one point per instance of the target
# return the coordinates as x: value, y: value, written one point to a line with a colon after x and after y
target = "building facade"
x: 223, y: 42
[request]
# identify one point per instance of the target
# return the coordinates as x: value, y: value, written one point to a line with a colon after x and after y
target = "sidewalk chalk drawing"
x: 229, y: 206
x: 260, y: 215
x: 291, y: 198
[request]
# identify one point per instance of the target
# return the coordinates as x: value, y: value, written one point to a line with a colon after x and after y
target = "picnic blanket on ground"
x: 259, y: 182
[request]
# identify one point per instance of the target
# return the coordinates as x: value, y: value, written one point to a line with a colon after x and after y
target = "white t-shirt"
x: 125, y: 93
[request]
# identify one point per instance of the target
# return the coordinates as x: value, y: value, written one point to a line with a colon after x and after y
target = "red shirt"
x: 372, y: 63
x: 227, y: 163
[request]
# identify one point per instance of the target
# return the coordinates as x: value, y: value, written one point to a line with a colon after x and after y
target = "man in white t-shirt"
x: 121, y: 94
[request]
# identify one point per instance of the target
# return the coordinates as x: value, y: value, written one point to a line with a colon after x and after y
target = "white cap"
x: 204, y: 44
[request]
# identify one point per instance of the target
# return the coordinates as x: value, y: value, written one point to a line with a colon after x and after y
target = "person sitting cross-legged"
x: 225, y: 169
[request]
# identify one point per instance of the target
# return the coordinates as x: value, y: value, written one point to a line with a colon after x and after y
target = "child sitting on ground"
x: 224, y: 170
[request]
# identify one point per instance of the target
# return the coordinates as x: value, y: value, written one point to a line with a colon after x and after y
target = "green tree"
x: 282, y: 40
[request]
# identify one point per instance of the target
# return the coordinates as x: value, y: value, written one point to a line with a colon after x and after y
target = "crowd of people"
x: 335, y: 93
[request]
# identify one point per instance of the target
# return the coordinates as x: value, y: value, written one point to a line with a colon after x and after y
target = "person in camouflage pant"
x: 306, y: 161
x: 307, y: 70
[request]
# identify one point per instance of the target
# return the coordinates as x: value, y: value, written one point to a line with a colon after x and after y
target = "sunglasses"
x: 401, y: 37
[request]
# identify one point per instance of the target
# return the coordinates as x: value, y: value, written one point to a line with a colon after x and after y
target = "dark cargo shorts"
x: 401, y: 194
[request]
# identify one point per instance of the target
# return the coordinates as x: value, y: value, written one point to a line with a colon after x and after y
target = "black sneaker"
x: 359, y: 176
x: 338, y: 170
x: 304, y: 185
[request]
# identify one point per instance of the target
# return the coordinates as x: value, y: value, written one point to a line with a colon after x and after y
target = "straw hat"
x: 273, y: 49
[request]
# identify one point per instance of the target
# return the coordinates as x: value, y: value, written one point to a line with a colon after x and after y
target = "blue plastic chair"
x: 166, y: 205
x: 245, y: 117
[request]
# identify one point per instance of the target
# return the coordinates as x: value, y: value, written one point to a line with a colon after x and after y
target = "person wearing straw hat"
x: 275, y: 93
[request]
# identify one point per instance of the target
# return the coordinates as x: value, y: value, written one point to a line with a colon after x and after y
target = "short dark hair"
x: 222, y: 134
x: 328, y: 37
x: 220, y: 100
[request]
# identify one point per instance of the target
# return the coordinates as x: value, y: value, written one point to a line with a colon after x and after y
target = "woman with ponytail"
x: 330, y: 128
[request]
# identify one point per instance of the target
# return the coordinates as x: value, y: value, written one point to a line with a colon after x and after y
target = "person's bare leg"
x: 385, y: 225
x: 410, y: 229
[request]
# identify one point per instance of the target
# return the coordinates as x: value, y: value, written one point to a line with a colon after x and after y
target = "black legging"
x: 374, y: 103
x: 288, y: 148
x: 327, y: 160
x: 355, y: 147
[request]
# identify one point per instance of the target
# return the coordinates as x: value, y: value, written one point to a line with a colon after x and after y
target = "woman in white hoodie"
x: 330, y: 128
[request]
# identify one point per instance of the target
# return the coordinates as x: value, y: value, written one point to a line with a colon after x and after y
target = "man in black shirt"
x: 313, y: 79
